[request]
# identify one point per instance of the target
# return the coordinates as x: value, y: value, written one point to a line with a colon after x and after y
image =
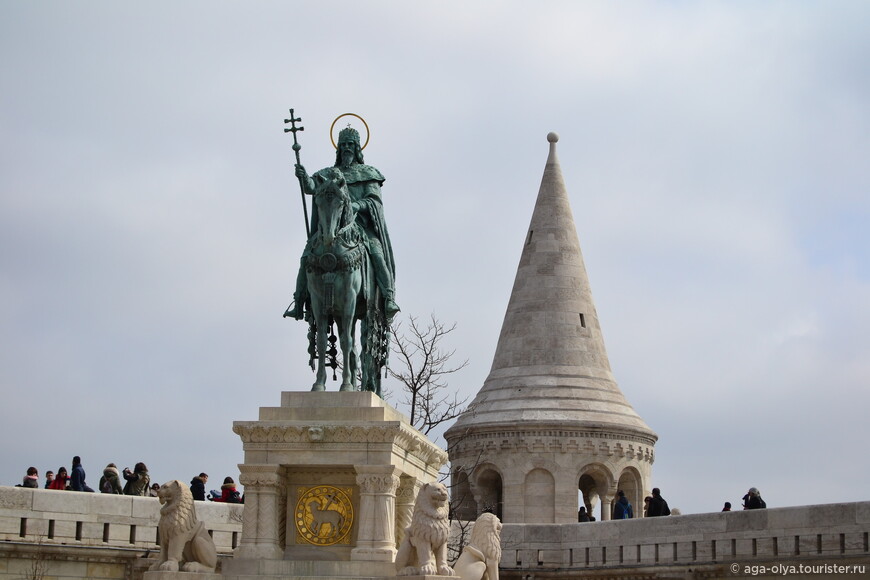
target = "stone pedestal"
x: 181, y: 576
x: 321, y: 475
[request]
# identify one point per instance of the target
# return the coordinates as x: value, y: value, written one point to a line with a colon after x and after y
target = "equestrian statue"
x: 347, y: 273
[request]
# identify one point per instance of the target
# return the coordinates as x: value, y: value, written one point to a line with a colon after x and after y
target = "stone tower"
x: 550, y: 419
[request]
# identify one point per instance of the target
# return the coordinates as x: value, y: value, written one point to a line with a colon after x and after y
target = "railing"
x: 102, y: 520
x: 835, y: 533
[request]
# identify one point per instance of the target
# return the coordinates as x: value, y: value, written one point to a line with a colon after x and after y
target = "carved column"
x: 377, y: 513
x: 406, y: 495
x: 607, y: 502
x: 264, y: 514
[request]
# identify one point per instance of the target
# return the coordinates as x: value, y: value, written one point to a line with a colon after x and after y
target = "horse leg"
x: 354, y: 365
x: 320, y: 379
x: 345, y: 338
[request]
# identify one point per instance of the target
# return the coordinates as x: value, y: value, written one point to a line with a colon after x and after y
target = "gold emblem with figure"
x: 324, y: 515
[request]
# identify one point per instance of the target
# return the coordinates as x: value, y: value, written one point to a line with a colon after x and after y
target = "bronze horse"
x: 335, y: 264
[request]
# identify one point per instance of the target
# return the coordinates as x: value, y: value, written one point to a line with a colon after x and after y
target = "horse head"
x: 334, y: 207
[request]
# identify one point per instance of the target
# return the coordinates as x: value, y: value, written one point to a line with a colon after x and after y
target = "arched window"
x: 461, y: 499
x: 630, y: 483
x: 489, y: 488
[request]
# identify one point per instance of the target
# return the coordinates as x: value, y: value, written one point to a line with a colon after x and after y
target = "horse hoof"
x: 317, y: 387
x: 345, y: 388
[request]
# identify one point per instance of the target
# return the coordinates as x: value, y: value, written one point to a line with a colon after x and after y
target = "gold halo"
x: 332, y: 128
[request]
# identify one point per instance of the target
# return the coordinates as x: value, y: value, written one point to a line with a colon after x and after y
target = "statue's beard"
x: 346, y: 158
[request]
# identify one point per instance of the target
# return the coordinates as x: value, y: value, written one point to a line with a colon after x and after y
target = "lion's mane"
x: 177, y: 516
x: 429, y: 520
x: 423, y: 550
x: 486, y: 536
x: 184, y: 542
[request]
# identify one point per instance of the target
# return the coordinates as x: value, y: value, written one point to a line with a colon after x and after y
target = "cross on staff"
x: 296, y: 147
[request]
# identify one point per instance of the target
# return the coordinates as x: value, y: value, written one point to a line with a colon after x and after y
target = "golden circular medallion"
x: 332, y: 129
x: 324, y: 515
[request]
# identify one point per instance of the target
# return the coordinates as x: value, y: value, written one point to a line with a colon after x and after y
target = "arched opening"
x: 489, y: 492
x: 540, y: 497
x: 630, y: 483
x: 593, y: 484
x: 461, y: 499
x: 587, y: 494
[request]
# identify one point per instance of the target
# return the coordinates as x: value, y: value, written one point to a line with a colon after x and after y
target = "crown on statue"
x: 348, y: 134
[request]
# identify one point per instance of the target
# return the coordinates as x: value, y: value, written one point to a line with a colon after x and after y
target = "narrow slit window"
x: 529, y: 240
x: 582, y: 320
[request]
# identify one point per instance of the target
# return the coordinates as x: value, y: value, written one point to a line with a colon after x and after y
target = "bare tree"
x: 39, y: 563
x: 422, y: 368
x: 422, y: 365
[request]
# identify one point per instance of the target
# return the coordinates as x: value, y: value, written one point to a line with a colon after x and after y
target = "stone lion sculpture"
x: 480, y: 557
x: 184, y: 541
x: 423, y: 550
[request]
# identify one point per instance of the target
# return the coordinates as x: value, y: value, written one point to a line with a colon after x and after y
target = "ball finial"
x: 552, y: 137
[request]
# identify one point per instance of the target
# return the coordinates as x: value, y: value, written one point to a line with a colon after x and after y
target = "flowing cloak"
x: 364, y: 185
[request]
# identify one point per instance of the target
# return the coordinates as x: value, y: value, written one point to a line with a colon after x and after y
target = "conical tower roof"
x: 550, y: 367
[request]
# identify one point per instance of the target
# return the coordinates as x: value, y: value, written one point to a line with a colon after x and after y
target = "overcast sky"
x: 715, y: 154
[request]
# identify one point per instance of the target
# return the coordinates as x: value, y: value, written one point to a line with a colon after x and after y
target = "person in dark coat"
x: 582, y: 516
x: 727, y: 507
x: 658, y: 506
x: 752, y: 500
x: 622, y: 509
x: 197, y: 486
x: 49, y: 478
x: 138, y: 480
x: 77, y: 477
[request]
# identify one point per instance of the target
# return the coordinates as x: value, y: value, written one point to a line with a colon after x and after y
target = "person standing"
x: 197, y: 486
x: 49, y: 477
x: 111, y: 480
x: 752, y: 500
x: 138, y: 481
x: 77, y: 479
x: 658, y: 506
x: 622, y: 509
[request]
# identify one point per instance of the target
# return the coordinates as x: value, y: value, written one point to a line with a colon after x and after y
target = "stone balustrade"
x: 93, y: 535
x: 712, y: 543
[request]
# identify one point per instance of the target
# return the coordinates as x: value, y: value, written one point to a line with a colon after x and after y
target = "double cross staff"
x: 296, y: 147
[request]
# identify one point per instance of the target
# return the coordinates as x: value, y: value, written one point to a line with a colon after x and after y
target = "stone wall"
x: 92, y: 535
x: 692, y: 546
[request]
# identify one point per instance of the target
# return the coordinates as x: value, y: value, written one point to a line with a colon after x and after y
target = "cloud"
x: 150, y: 223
